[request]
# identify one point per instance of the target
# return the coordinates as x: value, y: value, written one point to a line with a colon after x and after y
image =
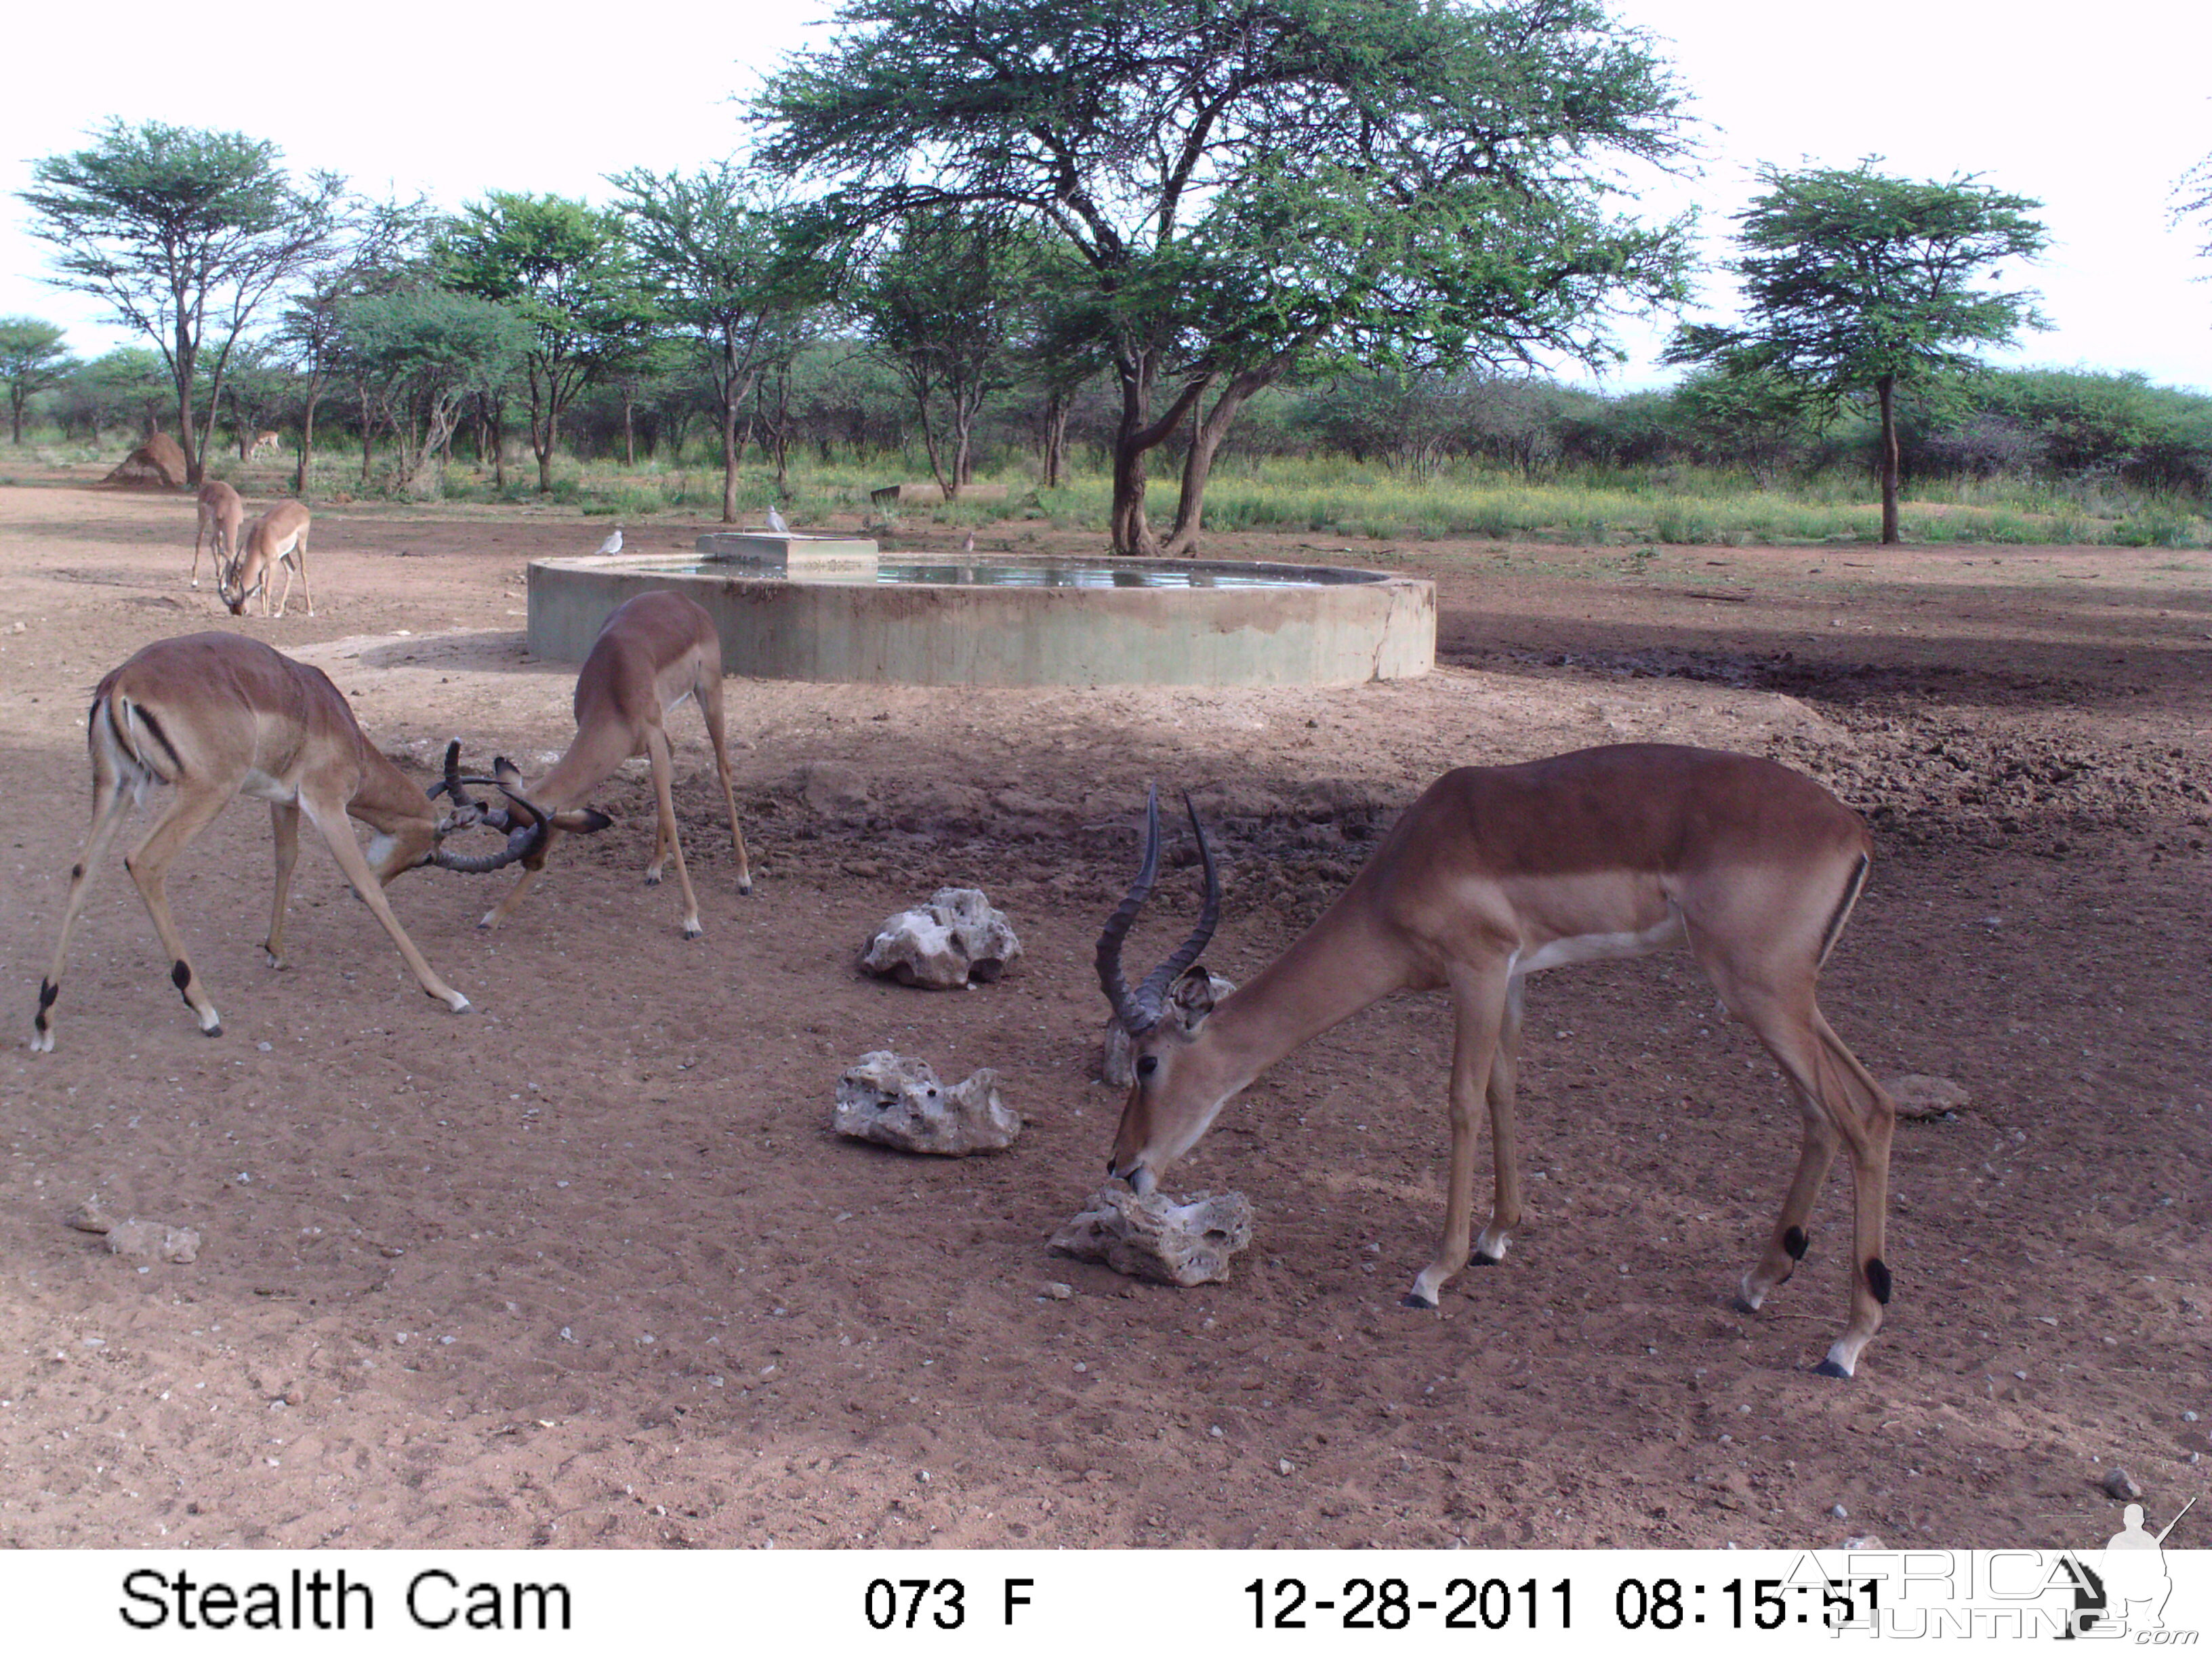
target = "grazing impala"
x: 278, y: 537
x: 1498, y: 872
x: 215, y: 716
x: 652, y: 653
x: 261, y: 441
x: 221, y: 513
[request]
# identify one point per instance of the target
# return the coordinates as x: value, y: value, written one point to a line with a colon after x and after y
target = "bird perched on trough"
x: 775, y: 523
x: 968, y: 545
x: 613, y: 543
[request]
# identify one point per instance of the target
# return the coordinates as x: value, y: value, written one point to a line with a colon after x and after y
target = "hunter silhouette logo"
x: 2133, y: 1585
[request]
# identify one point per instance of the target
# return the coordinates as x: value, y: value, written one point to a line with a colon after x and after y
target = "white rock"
x: 1168, y: 1241
x: 1114, y: 1066
x: 943, y: 945
x: 897, y: 1102
x: 152, y: 1240
x: 1917, y: 1096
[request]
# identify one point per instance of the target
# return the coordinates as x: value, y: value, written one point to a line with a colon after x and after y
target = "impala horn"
x: 522, y: 839
x: 1139, y: 1011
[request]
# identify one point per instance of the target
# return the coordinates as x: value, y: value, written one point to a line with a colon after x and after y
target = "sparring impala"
x: 1496, y: 873
x: 653, y: 653
x: 221, y: 514
x: 215, y: 716
x: 278, y: 537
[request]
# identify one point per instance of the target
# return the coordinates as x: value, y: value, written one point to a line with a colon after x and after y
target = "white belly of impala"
x: 1598, y: 947
x: 259, y: 785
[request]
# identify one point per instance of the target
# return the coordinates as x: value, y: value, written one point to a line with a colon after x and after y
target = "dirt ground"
x: 588, y: 1267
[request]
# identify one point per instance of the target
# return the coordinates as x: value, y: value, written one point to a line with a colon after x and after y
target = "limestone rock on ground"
x: 1917, y: 1096
x: 144, y: 1241
x: 153, y: 1241
x: 1171, y: 1241
x: 1114, y: 1067
x: 897, y: 1101
x: 955, y: 940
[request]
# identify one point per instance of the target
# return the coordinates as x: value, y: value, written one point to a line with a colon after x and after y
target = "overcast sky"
x: 2097, y: 116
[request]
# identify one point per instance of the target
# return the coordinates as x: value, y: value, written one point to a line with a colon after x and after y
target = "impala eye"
x: 1148, y: 1065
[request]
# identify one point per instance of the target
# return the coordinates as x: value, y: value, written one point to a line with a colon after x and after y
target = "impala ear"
x: 1190, y: 999
x: 581, y: 821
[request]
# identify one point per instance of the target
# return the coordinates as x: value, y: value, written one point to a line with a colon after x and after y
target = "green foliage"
x: 1251, y: 186
x: 32, y: 359
x: 425, y: 352
x: 1856, y: 283
x: 944, y: 304
x: 1851, y: 278
x: 566, y: 270
x: 184, y: 233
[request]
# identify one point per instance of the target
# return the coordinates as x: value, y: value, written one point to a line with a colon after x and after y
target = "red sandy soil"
x: 587, y: 1267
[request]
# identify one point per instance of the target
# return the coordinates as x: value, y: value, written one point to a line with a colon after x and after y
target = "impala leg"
x: 284, y: 825
x: 1867, y: 1134
x: 110, y: 804
x: 285, y: 564
x: 199, y: 532
x: 710, y: 696
x: 192, y: 810
x: 1788, y: 1240
x: 1841, y: 1104
x: 300, y: 556
x: 664, y: 765
x: 337, y: 830
x: 1505, y: 1156
x: 1479, y: 999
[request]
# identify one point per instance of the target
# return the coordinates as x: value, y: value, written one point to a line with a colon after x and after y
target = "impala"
x: 261, y: 441
x: 653, y: 653
x: 221, y: 514
x: 1498, y: 872
x: 215, y: 716
x: 278, y: 537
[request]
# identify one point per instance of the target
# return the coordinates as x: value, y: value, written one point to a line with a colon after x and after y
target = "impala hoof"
x: 214, y: 1030
x: 460, y: 1004
x: 744, y: 889
x: 276, y: 961
x: 652, y: 879
x: 693, y: 930
x: 1415, y: 1299
x: 1829, y: 1368
x: 42, y: 1042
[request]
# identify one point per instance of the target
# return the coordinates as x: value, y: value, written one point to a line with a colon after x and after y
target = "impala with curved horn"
x: 651, y: 652
x: 216, y: 716
x: 1498, y: 872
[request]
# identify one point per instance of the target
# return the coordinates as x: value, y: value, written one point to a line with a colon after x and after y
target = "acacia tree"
x: 2192, y: 200
x: 943, y: 306
x: 184, y: 233
x: 423, y: 355
x: 32, y: 359
x: 1254, y: 184
x: 379, y: 248
x: 722, y: 267
x: 1856, y: 283
x: 565, y: 269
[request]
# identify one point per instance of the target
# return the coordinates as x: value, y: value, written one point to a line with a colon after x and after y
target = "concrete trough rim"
x: 1333, y: 625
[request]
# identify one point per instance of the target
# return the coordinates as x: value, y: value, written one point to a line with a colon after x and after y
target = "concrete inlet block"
x: 816, y: 557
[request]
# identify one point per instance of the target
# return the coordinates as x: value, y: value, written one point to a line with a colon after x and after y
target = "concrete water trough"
x: 818, y: 610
